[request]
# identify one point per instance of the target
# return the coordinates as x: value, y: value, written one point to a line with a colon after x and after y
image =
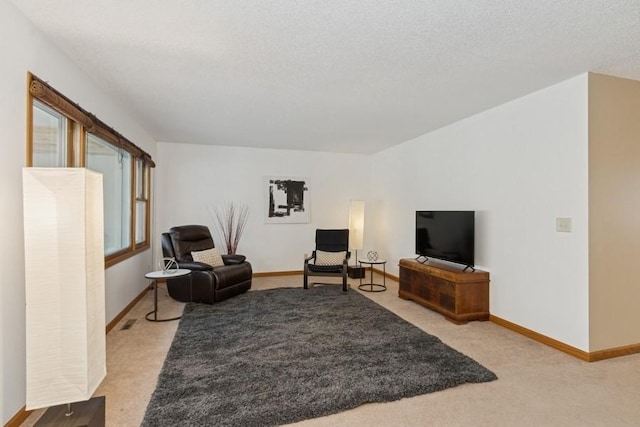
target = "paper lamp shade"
x: 356, y: 224
x: 64, y: 280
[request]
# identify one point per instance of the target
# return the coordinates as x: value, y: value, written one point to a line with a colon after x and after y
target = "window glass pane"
x: 49, y: 142
x: 115, y: 166
x: 141, y: 216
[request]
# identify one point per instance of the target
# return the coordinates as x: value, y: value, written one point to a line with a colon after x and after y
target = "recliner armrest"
x: 195, y: 266
x: 233, y: 259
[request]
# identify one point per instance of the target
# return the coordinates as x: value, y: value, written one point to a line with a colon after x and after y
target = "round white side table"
x: 374, y: 287
x: 158, y: 275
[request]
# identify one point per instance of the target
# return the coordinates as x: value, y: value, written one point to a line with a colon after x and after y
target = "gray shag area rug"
x: 284, y: 355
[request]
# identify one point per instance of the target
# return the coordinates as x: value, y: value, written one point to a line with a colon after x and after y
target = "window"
x: 115, y: 166
x: 49, y: 137
x: 61, y: 134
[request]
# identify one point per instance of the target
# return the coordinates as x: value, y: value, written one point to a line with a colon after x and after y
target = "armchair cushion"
x: 325, y: 268
x: 208, y: 256
x: 330, y: 258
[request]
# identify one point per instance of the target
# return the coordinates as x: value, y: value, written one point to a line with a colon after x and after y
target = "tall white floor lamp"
x: 65, y: 294
x: 356, y: 235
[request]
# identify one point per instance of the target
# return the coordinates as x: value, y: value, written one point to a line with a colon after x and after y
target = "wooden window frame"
x: 82, y: 121
x: 146, y: 180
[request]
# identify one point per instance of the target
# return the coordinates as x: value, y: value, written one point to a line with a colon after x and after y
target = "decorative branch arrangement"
x: 231, y: 219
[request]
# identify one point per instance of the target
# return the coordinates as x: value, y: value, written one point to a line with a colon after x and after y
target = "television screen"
x: 446, y: 235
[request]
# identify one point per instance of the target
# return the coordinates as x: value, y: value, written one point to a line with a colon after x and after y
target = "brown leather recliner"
x: 208, y: 284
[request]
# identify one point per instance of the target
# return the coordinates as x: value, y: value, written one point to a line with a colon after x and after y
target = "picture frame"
x: 287, y: 200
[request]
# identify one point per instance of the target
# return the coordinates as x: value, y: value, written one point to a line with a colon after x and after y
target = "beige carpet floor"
x: 536, y: 386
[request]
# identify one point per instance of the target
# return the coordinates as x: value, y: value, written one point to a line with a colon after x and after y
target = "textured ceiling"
x: 333, y: 75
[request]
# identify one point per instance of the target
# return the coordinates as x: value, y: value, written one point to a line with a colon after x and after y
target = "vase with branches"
x: 231, y: 219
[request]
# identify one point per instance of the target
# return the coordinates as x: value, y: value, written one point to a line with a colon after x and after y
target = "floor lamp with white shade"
x: 65, y: 294
x: 356, y: 235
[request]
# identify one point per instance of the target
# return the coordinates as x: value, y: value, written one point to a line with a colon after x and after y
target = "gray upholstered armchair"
x: 330, y: 256
x: 208, y: 284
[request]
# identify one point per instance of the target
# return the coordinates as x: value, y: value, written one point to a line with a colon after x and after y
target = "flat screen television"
x: 446, y: 235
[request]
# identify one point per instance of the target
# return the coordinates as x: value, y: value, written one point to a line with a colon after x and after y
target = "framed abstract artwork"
x: 287, y: 200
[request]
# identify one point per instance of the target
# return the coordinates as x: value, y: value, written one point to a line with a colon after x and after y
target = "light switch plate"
x: 563, y: 225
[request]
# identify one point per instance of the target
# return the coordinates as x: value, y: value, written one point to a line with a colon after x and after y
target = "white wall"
x: 519, y: 166
x: 23, y: 48
x: 191, y: 179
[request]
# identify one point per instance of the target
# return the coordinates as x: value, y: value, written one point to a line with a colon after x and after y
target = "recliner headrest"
x: 189, y: 238
x: 190, y: 233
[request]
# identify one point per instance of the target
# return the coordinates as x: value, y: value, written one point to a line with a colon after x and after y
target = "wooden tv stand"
x: 459, y: 296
